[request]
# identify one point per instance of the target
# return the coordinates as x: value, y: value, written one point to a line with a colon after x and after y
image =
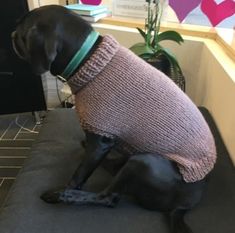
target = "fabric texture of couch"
x: 55, y: 156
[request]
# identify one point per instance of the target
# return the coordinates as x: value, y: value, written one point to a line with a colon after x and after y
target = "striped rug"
x: 17, y: 133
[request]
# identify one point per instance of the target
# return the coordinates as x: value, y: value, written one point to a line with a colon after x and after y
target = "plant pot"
x: 162, y: 63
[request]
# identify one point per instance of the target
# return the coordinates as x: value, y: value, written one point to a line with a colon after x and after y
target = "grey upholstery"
x: 53, y: 159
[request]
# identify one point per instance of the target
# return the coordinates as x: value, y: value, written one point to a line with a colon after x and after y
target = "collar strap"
x: 80, y: 55
x: 100, y: 58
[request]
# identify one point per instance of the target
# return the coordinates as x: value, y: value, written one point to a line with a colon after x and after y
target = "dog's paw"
x: 110, y: 200
x: 51, y: 197
x: 114, y: 199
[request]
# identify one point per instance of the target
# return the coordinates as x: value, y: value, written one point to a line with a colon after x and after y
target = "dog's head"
x: 48, y: 37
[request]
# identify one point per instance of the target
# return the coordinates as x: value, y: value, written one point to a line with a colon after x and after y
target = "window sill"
x: 224, y: 37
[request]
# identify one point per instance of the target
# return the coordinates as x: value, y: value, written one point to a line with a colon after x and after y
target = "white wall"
x: 216, y: 91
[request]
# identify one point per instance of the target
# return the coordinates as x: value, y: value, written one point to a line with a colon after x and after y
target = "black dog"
x: 48, y: 38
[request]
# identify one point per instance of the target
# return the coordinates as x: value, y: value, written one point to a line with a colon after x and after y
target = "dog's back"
x: 126, y: 98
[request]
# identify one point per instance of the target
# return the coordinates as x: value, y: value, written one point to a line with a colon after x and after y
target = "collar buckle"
x: 62, y: 79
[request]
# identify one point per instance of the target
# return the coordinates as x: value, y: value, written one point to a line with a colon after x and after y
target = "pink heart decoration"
x: 183, y: 7
x: 216, y: 13
x: 91, y: 2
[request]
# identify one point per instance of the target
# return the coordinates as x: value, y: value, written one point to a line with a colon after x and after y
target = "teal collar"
x: 80, y: 55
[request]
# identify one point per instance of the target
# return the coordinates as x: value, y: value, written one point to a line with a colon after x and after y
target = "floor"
x: 17, y: 134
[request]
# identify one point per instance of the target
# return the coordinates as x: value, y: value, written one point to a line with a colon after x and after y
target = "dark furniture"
x: 54, y: 158
x: 20, y: 89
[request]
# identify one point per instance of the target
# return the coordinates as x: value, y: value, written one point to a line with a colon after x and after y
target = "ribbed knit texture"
x: 119, y: 95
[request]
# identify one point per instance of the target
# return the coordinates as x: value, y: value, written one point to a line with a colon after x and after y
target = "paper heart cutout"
x: 216, y: 13
x: 183, y: 7
x: 91, y: 2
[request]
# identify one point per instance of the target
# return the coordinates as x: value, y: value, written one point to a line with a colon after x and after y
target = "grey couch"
x: 54, y: 158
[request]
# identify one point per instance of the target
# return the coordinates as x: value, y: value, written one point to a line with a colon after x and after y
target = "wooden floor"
x: 17, y: 134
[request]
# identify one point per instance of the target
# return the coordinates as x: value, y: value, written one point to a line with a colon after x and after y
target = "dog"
x: 123, y: 104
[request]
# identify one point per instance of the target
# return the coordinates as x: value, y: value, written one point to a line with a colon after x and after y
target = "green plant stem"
x: 148, y: 33
x: 154, y: 42
x: 158, y: 21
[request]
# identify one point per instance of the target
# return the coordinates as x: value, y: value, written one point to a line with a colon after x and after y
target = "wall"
x: 216, y: 90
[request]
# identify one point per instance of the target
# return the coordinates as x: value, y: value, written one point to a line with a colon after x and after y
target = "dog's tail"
x: 177, y: 223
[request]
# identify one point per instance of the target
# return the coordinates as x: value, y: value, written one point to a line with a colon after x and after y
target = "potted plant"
x: 152, y: 51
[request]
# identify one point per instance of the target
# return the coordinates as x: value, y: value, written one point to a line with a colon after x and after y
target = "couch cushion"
x: 55, y: 156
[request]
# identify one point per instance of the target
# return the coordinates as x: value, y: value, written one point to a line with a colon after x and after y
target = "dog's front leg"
x: 96, y: 150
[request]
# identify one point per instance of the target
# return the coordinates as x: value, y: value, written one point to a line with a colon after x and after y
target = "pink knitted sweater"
x: 119, y: 95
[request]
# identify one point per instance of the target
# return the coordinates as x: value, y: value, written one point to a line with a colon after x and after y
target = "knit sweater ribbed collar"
x: 95, y: 64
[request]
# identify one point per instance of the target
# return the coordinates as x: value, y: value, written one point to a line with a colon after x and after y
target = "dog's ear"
x: 41, y: 45
x: 19, y: 45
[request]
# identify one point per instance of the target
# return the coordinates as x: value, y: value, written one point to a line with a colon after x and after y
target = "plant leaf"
x: 170, y: 35
x: 140, y: 49
x: 142, y: 33
x: 146, y: 56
